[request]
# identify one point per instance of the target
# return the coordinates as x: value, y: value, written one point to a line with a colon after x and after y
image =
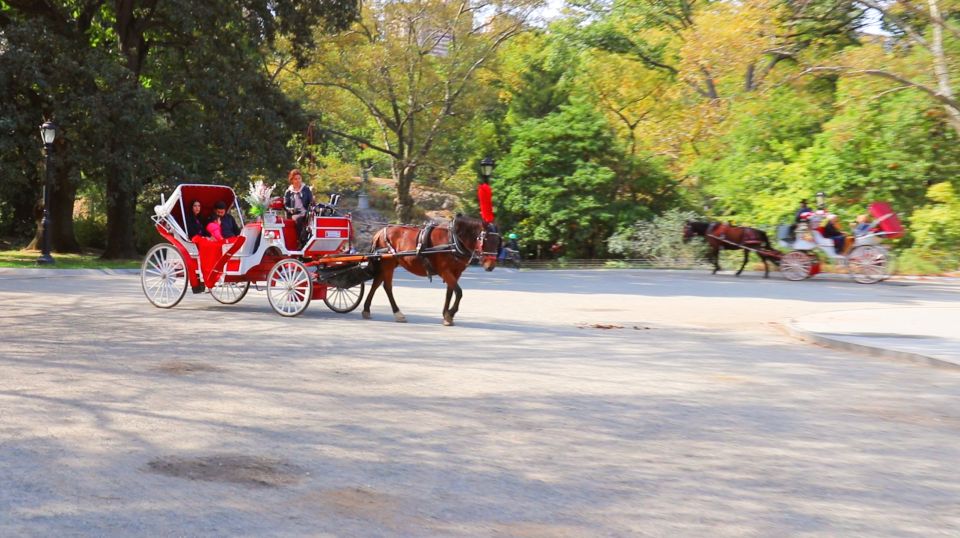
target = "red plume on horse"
x: 430, y: 250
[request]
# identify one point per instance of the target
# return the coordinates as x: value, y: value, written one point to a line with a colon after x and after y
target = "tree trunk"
x: 62, y: 199
x: 403, y: 203
x: 940, y: 69
x: 121, y: 215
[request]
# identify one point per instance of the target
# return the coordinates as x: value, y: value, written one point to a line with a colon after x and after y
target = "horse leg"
x: 388, y: 287
x: 447, y: 316
x: 452, y: 311
x: 746, y: 254
x: 373, y: 289
x: 766, y: 269
x: 716, y: 260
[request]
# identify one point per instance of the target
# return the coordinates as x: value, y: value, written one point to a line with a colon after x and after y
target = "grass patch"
x: 86, y: 260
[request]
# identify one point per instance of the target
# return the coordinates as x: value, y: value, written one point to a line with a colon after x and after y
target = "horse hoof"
x: 365, y: 314
x: 399, y: 317
x: 448, y: 322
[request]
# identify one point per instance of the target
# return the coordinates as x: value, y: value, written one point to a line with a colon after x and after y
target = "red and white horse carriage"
x: 268, y: 250
x: 867, y: 261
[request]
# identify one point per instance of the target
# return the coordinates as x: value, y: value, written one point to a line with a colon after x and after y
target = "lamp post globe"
x: 48, y: 133
x: 486, y: 167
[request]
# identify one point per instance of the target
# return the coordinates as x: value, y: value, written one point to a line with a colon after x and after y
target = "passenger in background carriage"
x: 194, y: 221
x: 831, y: 230
x: 804, y: 208
x: 298, y: 200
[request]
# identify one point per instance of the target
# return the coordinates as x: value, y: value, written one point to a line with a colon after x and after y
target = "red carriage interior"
x: 208, y: 195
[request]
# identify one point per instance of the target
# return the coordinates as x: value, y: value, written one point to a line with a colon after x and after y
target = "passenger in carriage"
x: 195, y: 222
x: 831, y: 230
x: 864, y: 225
x: 222, y: 225
x: 298, y: 200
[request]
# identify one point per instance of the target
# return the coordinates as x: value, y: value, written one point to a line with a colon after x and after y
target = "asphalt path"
x: 567, y: 403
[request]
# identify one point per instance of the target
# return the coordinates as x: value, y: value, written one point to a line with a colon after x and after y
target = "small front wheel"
x: 163, y: 276
x: 796, y: 265
x: 344, y: 300
x: 289, y: 287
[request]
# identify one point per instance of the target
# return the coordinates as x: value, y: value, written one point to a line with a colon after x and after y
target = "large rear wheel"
x: 289, y: 287
x: 230, y: 292
x: 796, y: 265
x: 869, y: 264
x: 344, y: 300
x: 163, y: 276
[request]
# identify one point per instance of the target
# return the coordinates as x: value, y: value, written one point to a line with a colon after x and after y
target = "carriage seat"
x: 251, y: 233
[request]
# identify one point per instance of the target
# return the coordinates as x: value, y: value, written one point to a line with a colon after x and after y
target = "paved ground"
x: 610, y: 403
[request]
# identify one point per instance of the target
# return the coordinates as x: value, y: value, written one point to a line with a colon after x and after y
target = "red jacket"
x: 485, y: 197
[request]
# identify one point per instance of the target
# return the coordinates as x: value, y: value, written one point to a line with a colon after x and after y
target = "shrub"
x: 659, y: 240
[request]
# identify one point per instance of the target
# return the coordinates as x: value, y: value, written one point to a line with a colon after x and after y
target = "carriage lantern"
x: 821, y: 200
x: 48, y: 132
x: 486, y: 167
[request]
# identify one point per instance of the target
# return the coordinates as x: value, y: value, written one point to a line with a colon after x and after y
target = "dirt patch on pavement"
x: 232, y: 468
x: 186, y: 368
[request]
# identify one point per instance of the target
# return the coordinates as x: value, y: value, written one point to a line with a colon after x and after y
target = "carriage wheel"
x: 796, y: 265
x: 869, y: 264
x: 163, y: 276
x: 289, y: 288
x: 230, y: 292
x: 344, y: 300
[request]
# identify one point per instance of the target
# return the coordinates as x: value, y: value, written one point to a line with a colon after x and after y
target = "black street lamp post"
x: 486, y: 167
x: 48, y: 131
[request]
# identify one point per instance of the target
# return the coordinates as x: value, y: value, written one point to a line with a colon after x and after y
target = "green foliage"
x: 659, y: 240
x: 559, y: 183
x: 935, y: 228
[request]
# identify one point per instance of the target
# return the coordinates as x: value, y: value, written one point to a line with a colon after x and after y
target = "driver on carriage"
x: 298, y: 200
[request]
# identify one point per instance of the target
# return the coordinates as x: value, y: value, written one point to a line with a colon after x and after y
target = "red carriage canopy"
x: 886, y: 219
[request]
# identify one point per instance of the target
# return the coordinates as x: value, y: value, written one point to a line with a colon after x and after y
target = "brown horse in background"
x: 720, y: 235
x: 427, y: 251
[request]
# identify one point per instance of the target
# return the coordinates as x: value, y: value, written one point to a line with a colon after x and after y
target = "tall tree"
x: 409, y: 66
x: 920, y: 54
x: 175, y: 70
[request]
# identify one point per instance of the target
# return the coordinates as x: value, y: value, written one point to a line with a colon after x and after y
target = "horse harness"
x: 425, y: 249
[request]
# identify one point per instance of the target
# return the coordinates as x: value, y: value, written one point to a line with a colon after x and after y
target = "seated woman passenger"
x: 194, y: 222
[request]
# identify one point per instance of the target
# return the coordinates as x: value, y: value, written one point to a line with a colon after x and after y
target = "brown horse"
x: 427, y: 251
x: 720, y: 235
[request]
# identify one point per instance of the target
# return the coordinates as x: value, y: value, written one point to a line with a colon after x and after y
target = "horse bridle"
x: 477, y: 251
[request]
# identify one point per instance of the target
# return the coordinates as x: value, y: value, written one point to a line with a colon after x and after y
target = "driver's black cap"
x: 220, y: 205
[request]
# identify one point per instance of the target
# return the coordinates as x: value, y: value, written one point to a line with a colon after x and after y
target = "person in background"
x: 298, y: 200
x: 804, y: 208
x: 831, y: 230
x: 864, y: 225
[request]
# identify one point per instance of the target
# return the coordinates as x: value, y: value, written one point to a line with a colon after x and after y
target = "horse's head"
x: 692, y: 228
x: 473, y: 239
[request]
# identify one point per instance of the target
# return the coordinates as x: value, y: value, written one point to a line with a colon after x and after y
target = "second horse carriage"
x: 321, y: 266
x: 866, y: 260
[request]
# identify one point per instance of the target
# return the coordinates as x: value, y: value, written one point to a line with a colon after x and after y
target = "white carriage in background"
x: 268, y: 250
x: 867, y: 260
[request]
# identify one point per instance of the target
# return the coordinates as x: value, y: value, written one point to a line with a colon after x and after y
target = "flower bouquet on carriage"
x: 259, y: 197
